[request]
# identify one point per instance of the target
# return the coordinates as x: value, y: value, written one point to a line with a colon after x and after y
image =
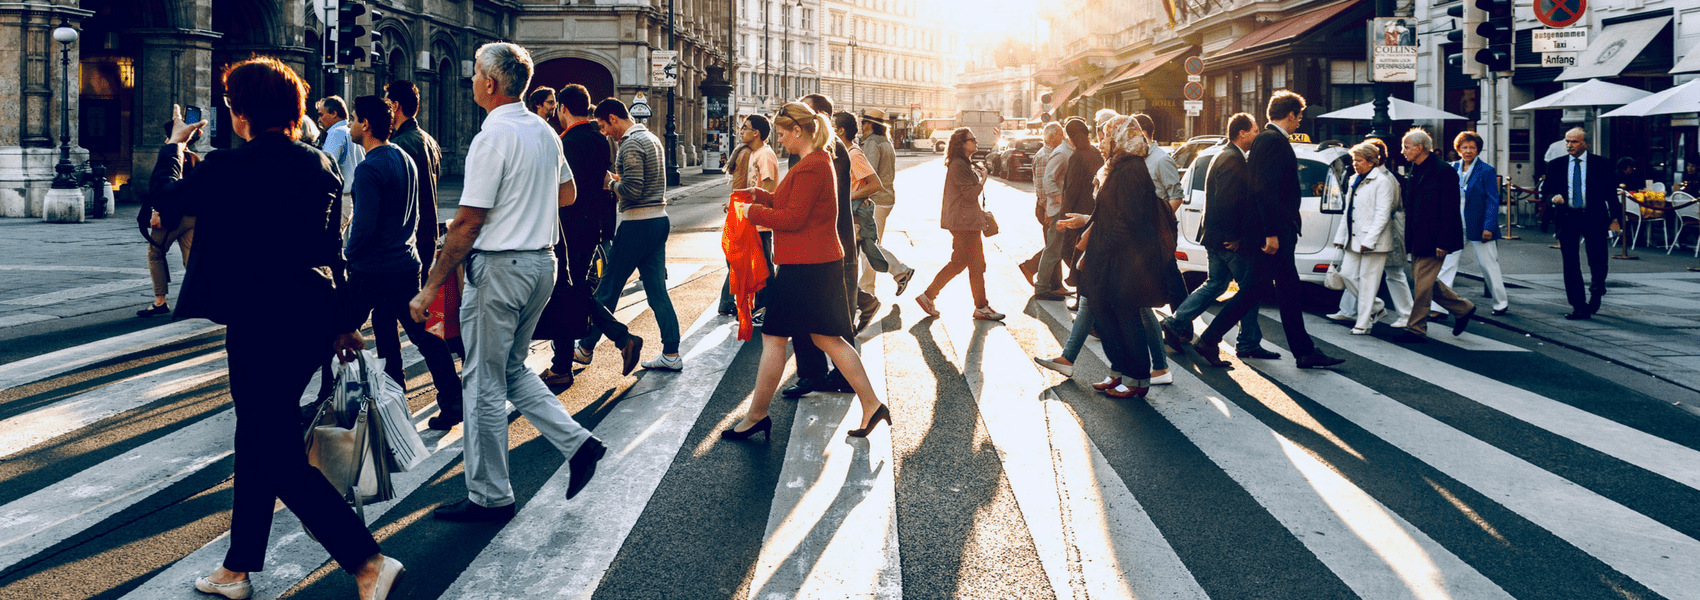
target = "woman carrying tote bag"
x: 966, y: 220
x: 268, y: 265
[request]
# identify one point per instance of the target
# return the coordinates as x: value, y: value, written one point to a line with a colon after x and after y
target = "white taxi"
x: 1322, y: 181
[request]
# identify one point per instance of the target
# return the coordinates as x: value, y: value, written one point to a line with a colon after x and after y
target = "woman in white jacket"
x: 1366, y: 234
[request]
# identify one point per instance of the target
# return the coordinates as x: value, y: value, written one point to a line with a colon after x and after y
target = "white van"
x: 1322, y: 181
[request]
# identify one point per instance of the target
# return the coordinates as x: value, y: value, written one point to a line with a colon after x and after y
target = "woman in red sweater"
x: 807, y: 296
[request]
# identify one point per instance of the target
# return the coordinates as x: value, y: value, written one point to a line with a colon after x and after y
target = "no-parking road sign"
x: 1194, y: 90
x: 1559, y: 13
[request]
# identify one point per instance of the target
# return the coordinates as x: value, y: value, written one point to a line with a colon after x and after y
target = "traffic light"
x: 1496, y: 33
x: 349, y: 33
x: 1469, y: 19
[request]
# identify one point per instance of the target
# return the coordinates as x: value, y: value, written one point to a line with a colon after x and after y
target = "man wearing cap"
x: 883, y: 157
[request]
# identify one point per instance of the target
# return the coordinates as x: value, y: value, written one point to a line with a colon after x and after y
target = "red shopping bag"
x: 444, y: 318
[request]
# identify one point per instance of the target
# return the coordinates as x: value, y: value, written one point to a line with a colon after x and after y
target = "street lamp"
x: 672, y: 113
x: 66, y: 178
x: 852, y: 56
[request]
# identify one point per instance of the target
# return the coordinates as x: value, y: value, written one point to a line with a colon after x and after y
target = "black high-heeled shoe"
x: 880, y: 414
x: 764, y: 426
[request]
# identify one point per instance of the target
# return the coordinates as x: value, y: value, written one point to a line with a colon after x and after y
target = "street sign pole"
x: 1194, y: 77
x: 1381, y: 123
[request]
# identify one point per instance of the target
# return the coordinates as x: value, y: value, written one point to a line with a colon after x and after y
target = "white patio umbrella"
x: 1684, y: 98
x: 1591, y: 94
x: 1397, y: 110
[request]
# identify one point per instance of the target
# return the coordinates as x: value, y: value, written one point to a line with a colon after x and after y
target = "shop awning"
x: 1614, y: 48
x: 1113, y: 75
x: 1690, y: 63
x: 1149, y: 66
x: 1286, y: 29
x: 1064, y: 92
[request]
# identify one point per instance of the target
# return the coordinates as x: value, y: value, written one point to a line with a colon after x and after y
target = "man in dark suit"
x: 585, y: 224
x: 1273, y: 214
x: 1227, y: 188
x: 1581, y: 188
x: 1434, y: 228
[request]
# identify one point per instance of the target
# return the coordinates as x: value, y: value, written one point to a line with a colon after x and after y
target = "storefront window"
x: 1249, y: 98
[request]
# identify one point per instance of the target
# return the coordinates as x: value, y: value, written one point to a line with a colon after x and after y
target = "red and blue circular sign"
x: 1560, y: 13
x: 1194, y: 65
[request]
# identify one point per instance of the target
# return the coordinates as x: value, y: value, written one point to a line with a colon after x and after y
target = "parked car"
x: 1017, y: 161
x: 1184, y: 152
x: 1322, y: 177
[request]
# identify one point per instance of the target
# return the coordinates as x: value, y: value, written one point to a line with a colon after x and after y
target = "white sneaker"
x: 580, y: 355
x: 1164, y: 379
x: 665, y: 363
x: 1340, y: 318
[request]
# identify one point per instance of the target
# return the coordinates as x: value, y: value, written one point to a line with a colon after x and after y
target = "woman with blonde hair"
x: 962, y: 215
x: 1366, y: 234
x: 808, y: 293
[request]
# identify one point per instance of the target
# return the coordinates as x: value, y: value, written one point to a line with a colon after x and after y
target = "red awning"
x: 1064, y: 92
x: 1287, y: 29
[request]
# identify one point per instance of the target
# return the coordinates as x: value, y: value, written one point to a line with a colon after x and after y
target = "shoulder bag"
x: 990, y: 228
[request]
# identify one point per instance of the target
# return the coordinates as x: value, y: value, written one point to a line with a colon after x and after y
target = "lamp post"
x: 672, y: 112
x: 1381, y: 123
x: 852, y: 56
x: 67, y: 173
x: 64, y: 202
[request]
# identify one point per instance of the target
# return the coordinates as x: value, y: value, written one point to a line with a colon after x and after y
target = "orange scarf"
x: 742, y: 246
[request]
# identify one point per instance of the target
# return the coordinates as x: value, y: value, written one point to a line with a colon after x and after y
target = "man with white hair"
x: 1047, y: 283
x: 1584, y: 200
x: 1036, y: 269
x: 505, y: 230
x: 1434, y: 227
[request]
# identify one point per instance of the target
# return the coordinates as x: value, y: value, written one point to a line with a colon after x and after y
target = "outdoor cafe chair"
x: 1631, y: 219
x: 1686, y: 211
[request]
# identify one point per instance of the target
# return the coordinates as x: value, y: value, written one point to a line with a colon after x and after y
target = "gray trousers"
x: 1050, y: 260
x: 504, y: 297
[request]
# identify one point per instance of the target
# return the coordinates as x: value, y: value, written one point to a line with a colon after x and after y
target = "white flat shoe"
x: 1357, y: 331
x: 1164, y: 379
x: 235, y: 590
x: 387, y: 576
x: 1066, y: 370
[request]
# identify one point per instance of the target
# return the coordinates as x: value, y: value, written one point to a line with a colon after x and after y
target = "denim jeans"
x: 640, y: 246
x: 1224, y: 265
x: 1077, y: 334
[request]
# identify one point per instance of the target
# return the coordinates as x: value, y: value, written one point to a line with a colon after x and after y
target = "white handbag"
x: 1334, y: 280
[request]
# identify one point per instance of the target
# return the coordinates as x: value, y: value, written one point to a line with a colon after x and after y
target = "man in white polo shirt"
x: 516, y: 180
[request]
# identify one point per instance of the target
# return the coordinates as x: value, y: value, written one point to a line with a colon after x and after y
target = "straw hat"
x: 874, y: 113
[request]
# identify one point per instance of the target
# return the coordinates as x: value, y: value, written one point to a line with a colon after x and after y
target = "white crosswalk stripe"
x: 834, y: 527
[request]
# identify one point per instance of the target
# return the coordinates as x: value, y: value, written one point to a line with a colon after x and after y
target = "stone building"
x: 138, y: 57
x: 899, y: 56
x: 777, y: 52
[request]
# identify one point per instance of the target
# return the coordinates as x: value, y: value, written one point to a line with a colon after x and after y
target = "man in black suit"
x: 1273, y: 214
x: 585, y: 224
x: 1227, y: 187
x: 1581, y: 188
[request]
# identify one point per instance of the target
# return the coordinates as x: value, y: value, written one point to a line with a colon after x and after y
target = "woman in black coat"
x: 1126, y: 270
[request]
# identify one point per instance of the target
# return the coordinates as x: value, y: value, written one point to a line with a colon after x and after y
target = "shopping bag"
x: 443, y: 317
x: 1334, y: 280
x: 343, y: 443
x: 406, y: 448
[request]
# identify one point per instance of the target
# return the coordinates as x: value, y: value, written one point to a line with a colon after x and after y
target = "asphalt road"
x: 1488, y: 466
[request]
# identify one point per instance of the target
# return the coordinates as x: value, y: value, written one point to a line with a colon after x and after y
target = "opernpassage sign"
x: 1559, y: 13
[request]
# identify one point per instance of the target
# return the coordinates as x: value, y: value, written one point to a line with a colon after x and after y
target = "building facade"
x: 136, y: 58
x: 898, y: 56
x: 777, y: 52
x: 988, y: 83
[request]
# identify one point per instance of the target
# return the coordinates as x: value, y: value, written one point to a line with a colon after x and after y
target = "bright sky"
x: 988, y: 19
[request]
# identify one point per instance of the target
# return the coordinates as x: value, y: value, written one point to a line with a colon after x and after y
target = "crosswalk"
x: 1471, y: 469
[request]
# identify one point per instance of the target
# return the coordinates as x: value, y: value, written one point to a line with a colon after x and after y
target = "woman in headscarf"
x: 1130, y: 252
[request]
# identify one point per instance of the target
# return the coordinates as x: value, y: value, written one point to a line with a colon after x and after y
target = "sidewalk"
x: 60, y: 276
x: 1649, y: 319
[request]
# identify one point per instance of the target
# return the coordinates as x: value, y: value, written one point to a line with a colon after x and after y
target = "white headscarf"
x: 1128, y: 137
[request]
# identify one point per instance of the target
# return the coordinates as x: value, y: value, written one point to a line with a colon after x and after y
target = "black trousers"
x: 1277, y: 278
x: 386, y: 297
x: 579, y: 254
x: 1573, y: 234
x: 270, y: 365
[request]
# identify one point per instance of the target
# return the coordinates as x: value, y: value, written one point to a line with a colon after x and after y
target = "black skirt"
x: 806, y: 299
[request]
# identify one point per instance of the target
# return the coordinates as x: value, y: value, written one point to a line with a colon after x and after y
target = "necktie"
x: 1576, y: 191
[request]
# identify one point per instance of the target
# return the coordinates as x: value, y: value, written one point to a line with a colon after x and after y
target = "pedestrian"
x: 638, y: 180
x: 864, y: 184
x: 383, y: 264
x: 1628, y: 176
x: 1047, y: 280
x: 966, y: 221
x: 1478, y: 182
x: 1690, y: 177
x: 1044, y: 210
x: 427, y: 156
x: 753, y: 165
x: 812, y: 372
x: 541, y: 101
x: 1434, y: 227
x: 1584, y: 210
x: 309, y: 133
x: 333, y: 116
x: 1230, y: 237
x: 161, y: 232
x: 1397, y: 271
x: 585, y: 224
x: 1274, y: 172
x: 1164, y: 172
x: 809, y: 288
x: 883, y: 157
x: 1130, y: 251
x: 1084, y: 164
x: 280, y: 307
x: 1365, y: 236
x: 516, y: 178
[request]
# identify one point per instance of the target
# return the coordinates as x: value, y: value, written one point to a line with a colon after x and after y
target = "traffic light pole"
x: 672, y: 112
x: 1381, y: 122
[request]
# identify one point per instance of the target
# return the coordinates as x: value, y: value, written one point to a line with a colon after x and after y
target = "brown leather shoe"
x: 553, y: 379
x: 629, y: 354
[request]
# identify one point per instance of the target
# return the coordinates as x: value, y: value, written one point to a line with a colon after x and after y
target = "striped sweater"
x: 642, y: 186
